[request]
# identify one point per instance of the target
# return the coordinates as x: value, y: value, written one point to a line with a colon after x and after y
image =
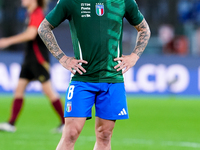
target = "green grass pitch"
x: 155, y: 123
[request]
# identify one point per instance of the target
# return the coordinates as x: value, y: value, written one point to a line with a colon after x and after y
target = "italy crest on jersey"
x: 99, y: 9
x: 69, y: 107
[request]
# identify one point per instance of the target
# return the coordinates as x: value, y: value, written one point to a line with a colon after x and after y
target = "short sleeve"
x: 36, y: 18
x: 59, y: 13
x: 132, y: 13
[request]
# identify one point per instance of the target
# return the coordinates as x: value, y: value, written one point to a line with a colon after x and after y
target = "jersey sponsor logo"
x: 86, y: 15
x: 69, y: 107
x: 85, y: 10
x: 99, y: 9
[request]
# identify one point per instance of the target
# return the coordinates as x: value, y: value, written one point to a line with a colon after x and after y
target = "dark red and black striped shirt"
x: 36, y: 51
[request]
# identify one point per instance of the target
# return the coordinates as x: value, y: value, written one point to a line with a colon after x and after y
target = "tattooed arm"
x: 46, y: 34
x: 142, y: 40
x: 70, y: 63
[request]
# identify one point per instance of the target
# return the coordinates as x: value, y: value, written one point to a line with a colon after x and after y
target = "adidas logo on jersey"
x: 123, y: 112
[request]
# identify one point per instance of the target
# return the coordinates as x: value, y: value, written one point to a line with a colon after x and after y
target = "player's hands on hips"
x: 126, y: 62
x: 72, y: 64
x: 4, y: 43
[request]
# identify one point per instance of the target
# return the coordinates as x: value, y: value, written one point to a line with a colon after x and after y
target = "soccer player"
x: 35, y: 65
x: 98, y: 66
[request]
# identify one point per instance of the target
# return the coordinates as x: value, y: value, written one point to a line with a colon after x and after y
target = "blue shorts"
x: 109, y: 100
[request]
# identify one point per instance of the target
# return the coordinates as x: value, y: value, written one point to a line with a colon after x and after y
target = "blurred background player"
x: 35, y: 65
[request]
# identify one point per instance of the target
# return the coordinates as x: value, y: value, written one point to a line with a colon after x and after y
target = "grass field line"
x: 130, y: 141
x: 163, y: 143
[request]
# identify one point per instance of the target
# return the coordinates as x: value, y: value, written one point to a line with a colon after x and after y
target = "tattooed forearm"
x: 60, y: 56
x: 46, y: 34
x: 142, y: 38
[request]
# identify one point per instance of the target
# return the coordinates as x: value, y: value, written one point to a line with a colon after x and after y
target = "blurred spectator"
x: 166, y: 33
x: 196, y: 12
x: 197, y: 43
x: 172, y: 44
x: 184, y: 8
x: 189, y: 10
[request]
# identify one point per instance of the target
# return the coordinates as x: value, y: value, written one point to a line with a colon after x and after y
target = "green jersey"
x: 96, y: 30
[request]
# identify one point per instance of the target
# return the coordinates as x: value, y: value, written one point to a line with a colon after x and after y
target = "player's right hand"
x: 72, y: 64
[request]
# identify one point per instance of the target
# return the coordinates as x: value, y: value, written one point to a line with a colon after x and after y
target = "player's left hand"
x: 126, y: 62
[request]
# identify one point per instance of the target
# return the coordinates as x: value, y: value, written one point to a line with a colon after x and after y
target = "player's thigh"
x: 111, y: 103
x: 21, y: 86
x: 80, y: 97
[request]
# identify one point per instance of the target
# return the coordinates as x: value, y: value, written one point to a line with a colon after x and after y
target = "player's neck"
x: 32, y: 7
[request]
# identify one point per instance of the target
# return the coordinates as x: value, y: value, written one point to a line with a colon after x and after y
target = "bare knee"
x: 19, y: 92
x: 103, y: 135
x: 68, y: 139
x: 73, y: 135
x: 20, y: 89
x: 72, y: 129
